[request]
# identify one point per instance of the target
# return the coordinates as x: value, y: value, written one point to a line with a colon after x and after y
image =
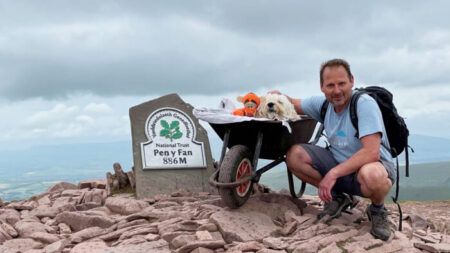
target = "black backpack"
x: 396, y: 129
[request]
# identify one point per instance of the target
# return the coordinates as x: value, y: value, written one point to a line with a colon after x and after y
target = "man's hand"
x: 326, y: 185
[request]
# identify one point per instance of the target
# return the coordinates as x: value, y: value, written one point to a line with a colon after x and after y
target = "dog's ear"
x: 240, y: 98
x: 262, y: 99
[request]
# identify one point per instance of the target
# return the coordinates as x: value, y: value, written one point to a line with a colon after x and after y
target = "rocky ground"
x: 82, y: 218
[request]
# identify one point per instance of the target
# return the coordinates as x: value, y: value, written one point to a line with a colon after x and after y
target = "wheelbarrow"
x: 247, y: 142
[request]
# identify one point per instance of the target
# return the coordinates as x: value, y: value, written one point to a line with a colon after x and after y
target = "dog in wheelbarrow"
x: 275, y: 106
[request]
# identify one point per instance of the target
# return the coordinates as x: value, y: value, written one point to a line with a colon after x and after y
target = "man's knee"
x: 373, y: 174
x: 297, y: 155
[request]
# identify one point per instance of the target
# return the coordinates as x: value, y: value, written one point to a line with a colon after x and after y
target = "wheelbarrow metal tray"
x: 276, y: 137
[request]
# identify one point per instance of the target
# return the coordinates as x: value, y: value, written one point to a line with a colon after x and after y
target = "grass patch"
x: 341, y: 246
x: 374, y: 246
x: 127, y: 189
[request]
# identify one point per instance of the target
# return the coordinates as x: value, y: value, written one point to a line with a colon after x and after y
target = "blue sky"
x: 69, y: 71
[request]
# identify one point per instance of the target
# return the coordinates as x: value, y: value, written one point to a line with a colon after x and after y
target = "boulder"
x: 4, y: 236
x: 182, y: 240
x: 56, y: 247
x: 138, y: 239
x: 139, y: 231
x: 78, y: 221
x: 87, y: 206
x: 61, y: 202
x: 92, y: 184
x: 61, y: 187
x: 125, y: 206
x: 433, y: 247
x: 131, y: 179
x: 124, y: 223
x: 115, y: 184
x: 197, y: 244
x: 45, y: 211
x: 9, y: 229
x: 96, y: 195
x: 243, y: 226
x: 109, y: 183
x: 23, y: 205
x: 417, y: 222
x: 271, y: 205
x: 120, y: 175
x: 26, y: 228
x: 9, y: 215
x: 64, y: 228
x: 159, y: 246
x: 44, y: 200
x: 22, y: 245
x: 91, y: 246
x: 152, y: 237
x: 73, y: 193
x: 44, y: 237
x: 87, y: 234
x: 247, y: 246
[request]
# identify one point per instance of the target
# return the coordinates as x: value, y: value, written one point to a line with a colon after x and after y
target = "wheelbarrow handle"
x: 213, y: 181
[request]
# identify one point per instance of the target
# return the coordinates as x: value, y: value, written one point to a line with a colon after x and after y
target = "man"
x: 355, y: 165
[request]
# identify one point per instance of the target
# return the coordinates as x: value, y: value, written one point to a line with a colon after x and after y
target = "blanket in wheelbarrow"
x: 221, y: 116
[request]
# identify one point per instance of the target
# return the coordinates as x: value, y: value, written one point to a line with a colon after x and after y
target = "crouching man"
x: 351, y: 165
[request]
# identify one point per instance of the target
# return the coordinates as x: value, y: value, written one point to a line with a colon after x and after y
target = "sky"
x: 70, y: 70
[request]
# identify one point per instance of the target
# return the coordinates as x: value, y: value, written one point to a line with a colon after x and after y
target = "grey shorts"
x: 323, y: 161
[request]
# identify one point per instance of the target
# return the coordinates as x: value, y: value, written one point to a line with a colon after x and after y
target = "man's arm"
x: 295, y: 101
x: 370, y: 152
x: 297, y: 104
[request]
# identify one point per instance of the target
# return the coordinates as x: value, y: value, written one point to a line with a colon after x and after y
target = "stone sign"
x: 170, y: 148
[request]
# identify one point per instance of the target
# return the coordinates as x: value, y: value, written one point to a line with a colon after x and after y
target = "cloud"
x: 71, y: 71
x: 203, y: 47
x: 59, y: 112
x: 97, y: 108
x: 43, y: 122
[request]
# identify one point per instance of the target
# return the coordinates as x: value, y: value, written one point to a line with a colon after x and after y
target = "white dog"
x: 274, y: 106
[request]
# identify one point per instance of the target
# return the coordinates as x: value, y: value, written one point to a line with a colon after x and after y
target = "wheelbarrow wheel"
x: 236, y: 164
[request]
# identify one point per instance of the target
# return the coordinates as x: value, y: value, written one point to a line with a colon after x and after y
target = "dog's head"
x: 274, y: 106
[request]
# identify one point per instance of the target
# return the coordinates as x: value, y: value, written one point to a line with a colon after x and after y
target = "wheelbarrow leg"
x: 259, y: 140
x: 226, y: 138
x: 291, y: 185
x: 215, y: 176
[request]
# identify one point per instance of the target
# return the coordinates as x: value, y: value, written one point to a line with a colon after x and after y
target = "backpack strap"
x: 394, y: 199
x: 323, y: 110
x: 353, y: 111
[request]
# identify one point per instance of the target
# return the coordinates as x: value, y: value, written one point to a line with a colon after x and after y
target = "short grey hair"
x: 335, y: 63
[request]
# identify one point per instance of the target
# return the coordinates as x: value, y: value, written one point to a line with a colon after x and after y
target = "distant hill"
x: 32, y: 170
x: 428, y: 181
x: 29, y: 171
x: 428, y: 149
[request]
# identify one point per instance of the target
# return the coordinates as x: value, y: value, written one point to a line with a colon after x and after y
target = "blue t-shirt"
x: 340, y: 131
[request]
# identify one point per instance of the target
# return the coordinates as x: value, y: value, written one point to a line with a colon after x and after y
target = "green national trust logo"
x: 171, y: 141
x: 171, y: 131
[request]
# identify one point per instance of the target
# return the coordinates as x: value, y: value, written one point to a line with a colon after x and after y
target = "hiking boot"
x: 335, y: 207
x: 380, y: 226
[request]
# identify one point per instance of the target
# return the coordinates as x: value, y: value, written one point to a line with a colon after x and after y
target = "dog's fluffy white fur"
x: 274, y: 106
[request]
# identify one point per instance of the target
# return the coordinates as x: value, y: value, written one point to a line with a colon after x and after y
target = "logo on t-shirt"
x: 341, y: 134
x: 339, y: 140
